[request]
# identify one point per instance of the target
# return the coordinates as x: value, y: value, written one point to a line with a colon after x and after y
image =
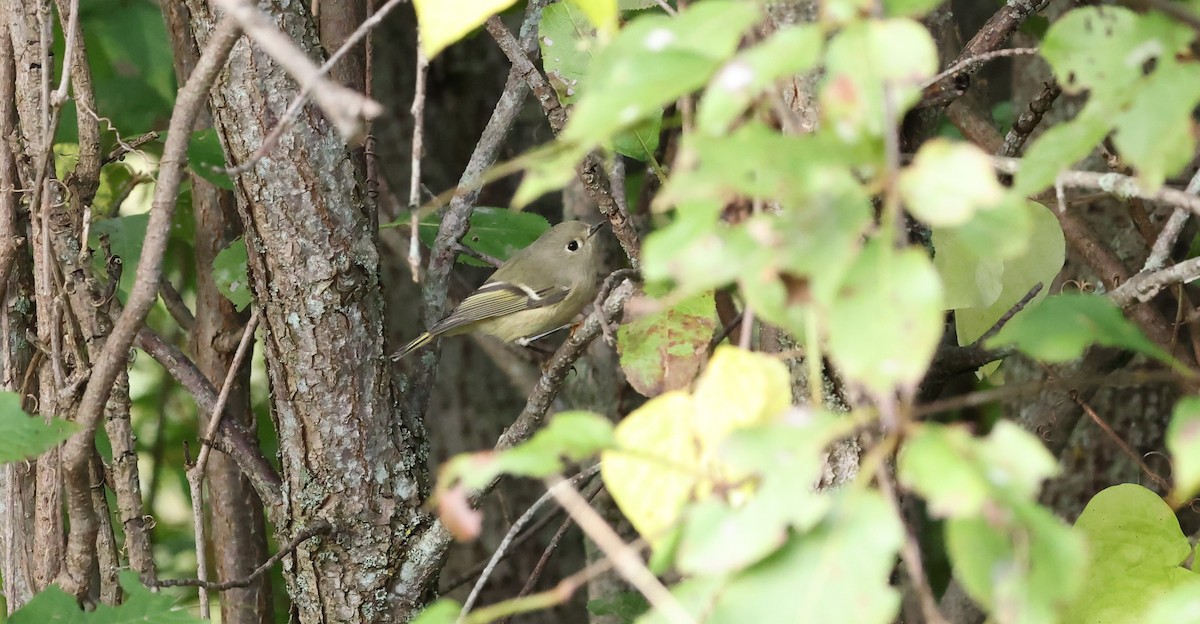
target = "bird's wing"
x: 495, y: 299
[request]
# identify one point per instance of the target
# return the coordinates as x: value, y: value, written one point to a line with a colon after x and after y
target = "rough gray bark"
x: 346, y: 456
x: 17, y: 483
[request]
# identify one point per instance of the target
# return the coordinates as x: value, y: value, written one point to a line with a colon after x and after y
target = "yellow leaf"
x: 444, y: 22
x: 601, y: 13
x: 668, y: 447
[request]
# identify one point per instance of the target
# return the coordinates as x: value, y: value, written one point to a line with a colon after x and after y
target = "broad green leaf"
x: 1019, y: 562
x: 1060, y: 146
x: 125, y: 236
x: 840, y: 11
x: 625, y: 606
x: 948, y: 182
x: 971, y: 258
x: 230, y: 274
x: 1040, y: 262
x: 867, y: 60
x: 495, y: 232
x: 549, y: 168
x: 443, y: 611
x: 1183, y: 441
x: 909, y: 8
x: 696, y: 251
x: 790, y: 51
x: 667, y: 449
x: 1156, y: 133
x: 1059, y: 328
x: 207, y: 158
x: 566, y: 40
x: 727, y: 534
x: 958, y: 474
x: 24, y: 437
x: 1105, y: 49
x: 139, y: 605
x: 443, y: 22
x: 1136, y: 548
x: 1178, y: 605
x: 664, y: 350
x: 1129, y: 64
x: 758, y: 162
x: 569, y: 436
x: 640, y: 142
x: 129, y: 55
x: 653, y: 61
x: 886, y: 352
x: 837, y: 572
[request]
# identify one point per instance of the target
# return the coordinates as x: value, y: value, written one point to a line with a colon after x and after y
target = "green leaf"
x: 1059, y: 328
x: 1040, y: 262
x: 664, y: 350
x: 24, y: 437
x: 971, y: 258
x: 567, y: 40
x: 140, y: 605
x: 948, y: 182
x: 443, y: 22
x: 640, y: 142
x: 1019, y: 562
x: 1155, y: 133
x: 909, y: 8
x: 207, y: 158
x: 229, y: 273
x: 1061, y: 146
x: 1105, y: 49
x: 885, y: 352
x: 730, y: 533
x: 443, y: 611
x: 1183, y: 441
x: 748, y: 75
x: 653, y: 61
x: 129, y: 55
x: 569, y: 436
x: 958, y: 474
x: 1178, y: 605
x: 125, y: 236
x: 625, y: 606
x: 1136, y: 548
x: 863, y: 58
x: 837, y: 572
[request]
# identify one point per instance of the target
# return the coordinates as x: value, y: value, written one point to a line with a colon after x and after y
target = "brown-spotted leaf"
x: 665, y: 350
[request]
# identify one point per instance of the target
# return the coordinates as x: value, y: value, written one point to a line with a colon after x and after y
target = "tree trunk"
x: 347, y: 457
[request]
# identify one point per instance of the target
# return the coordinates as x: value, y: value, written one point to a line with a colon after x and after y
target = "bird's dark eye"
x: 573, y: 246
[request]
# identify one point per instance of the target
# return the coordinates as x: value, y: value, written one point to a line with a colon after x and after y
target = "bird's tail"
x: 418, y: 342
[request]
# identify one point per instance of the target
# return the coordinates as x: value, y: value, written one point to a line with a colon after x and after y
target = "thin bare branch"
x: 418, y: 149
x: 320, y: 527
x: 196, y: 473
x: 1119, y: 185
x: 625, y: 558
x: 514, y: 530
x: 975, y: 62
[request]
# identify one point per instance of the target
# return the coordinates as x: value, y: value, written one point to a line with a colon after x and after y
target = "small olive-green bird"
x: 539, y: 290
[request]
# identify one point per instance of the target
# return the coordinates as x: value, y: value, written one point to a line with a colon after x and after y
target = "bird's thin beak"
x: 596, y: 228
